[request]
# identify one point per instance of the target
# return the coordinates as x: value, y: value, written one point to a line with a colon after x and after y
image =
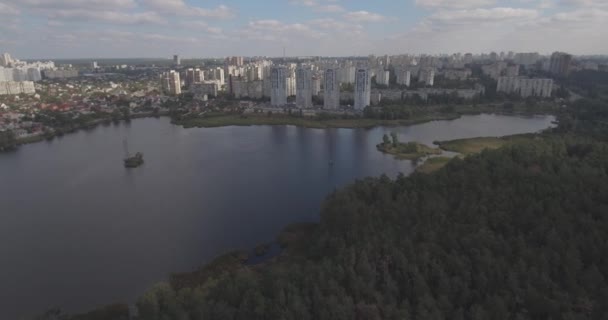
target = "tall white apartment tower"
x: 304, y: 87
x: 362, y: 88
x: 278, y: 86
x: 331, y: 85
x: 171, y: 83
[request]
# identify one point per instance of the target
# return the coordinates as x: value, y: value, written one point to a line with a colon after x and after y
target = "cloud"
x: 201, y: 25
x: 474, y: 16
x: 179, y: 7
x: 364, y: 16
x: 585, y: 3
x: 109, y: 5
x: 8, y: 10
x: 454, y: 4
x: 330, y: 8
x: 109, y: 16
x: 319, y: 5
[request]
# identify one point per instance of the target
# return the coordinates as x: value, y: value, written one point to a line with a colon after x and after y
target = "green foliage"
x: 395, y: 139
x: 8, y: 141
x: 514, y: 233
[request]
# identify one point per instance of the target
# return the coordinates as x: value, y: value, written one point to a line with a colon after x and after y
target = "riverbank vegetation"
x: 320, y: 121
x: 407, y: 150
x: 433, y: 164
x: 385, y: 115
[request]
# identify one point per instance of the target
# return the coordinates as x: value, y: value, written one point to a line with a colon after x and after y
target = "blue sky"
x: 215, y: 28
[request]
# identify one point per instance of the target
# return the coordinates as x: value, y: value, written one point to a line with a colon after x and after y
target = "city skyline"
x: 152, y: 28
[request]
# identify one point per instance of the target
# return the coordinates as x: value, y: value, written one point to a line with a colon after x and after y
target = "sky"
x: 216, y: 28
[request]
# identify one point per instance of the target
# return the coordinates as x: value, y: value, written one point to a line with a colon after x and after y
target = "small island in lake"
x: 409, y: 150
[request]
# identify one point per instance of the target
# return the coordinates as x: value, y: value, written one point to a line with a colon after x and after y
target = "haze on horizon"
x: 159, y: 28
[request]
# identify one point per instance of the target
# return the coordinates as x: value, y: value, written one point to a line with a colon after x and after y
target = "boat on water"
x: 132, y: 161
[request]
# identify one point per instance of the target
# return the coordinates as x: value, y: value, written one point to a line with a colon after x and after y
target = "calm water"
x: 79, y: 230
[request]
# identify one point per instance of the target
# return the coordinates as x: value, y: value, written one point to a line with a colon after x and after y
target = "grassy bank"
x: 407, y: 151
x: 433, y: 164
x: 477, y: 145
x: 307, y: 122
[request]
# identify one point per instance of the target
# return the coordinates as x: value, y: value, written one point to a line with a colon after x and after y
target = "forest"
x: 510, y: 234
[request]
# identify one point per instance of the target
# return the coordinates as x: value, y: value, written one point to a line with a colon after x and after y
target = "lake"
x: 78, y: 230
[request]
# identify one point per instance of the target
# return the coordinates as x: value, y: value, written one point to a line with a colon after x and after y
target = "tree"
x: 386, y: 140
x: 395, y: 139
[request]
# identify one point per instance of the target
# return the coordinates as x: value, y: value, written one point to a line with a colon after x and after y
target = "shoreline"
x: 226, y: 120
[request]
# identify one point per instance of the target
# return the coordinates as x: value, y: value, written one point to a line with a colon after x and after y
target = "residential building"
x: 347, y: 74
x: 560, y: 63
x: 383, y: 77
x: 209, y: 88
x: 278, y: 88
x: 457, y: 74
x: 234, y: 61
x: 60, y: 74
x: 316, y: 85
x: 94, y: 65
x: 525, y: 87
x: 171, y: 83
x: 526, y: 58
x: 468, y: 58
x: 176, y: 60
x: 404, y: 76
x: 5, y: 60
x: 331, y: 87
x: 362, y: 89
x: 194, y: 76
x: 427, y: 76
x: 17, y: 87
x: 304, y: 87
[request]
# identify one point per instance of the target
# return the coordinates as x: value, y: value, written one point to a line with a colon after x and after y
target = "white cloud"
x: 179, y: 7
x: 585, y: 3
x: 454, y: 4
x: 201, y: 25
x: 8, y: 10
x: 364, y: 16
x: 330, y: 8
x: 110, y: 5
x: 474, y: 16
x: 109, y: 16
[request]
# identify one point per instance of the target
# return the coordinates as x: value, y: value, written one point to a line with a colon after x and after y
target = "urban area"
x: 40, y: 100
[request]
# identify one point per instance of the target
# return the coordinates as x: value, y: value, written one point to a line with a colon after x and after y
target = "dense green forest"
x: 510, y: 234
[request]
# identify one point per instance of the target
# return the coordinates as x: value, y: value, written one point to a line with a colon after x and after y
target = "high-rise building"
x: 194, y: 76
x: 468, y: 58
x: 362, y: 88
x: 5, y: 60
x: 382, y: 77
x: 278, y: 86
x: 304, y: 87
x: 331, y: 87
x: 171, y: 83
x: 525, y: 87
x: 560, y: 63
x: 316, y: 85
x: 427, y: 76
x: 94, y: 65
x: 235, y: 61
x: 176, y: 60
x: 404, y: 76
